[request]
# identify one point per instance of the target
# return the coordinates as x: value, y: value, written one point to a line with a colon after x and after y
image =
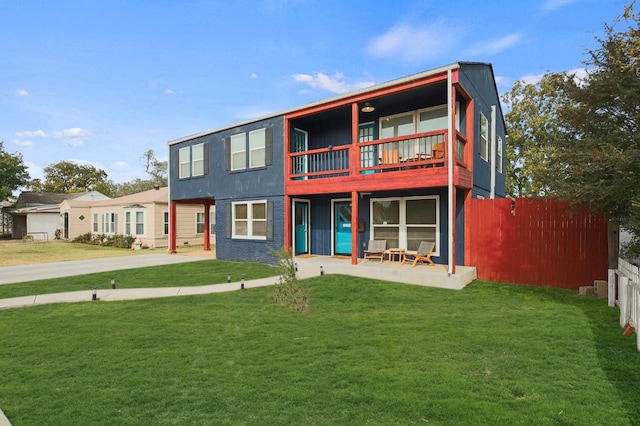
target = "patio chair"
x: 376, y: 250
x: 423, y: 254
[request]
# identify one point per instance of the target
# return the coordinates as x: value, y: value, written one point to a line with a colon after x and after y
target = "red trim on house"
x: 287, y: 223
x: 354, y: 228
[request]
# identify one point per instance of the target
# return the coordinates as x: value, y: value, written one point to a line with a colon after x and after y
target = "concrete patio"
x: 425, y: 275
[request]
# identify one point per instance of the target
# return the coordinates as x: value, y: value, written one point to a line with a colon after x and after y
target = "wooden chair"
x: 422, y: 255
x: 376, y: 250
x: 437, y: 150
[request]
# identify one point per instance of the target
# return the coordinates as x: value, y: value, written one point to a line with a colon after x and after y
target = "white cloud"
x: 551, y: 5
x: 121, y: 166
x: 413, y: 43
x: 35, y: 171
x: 22, y: 92
x: 23, y: 142
x: 495, y: 46
x: 532, y: 78
x: 254, y: 75
x: 335, y: 84
x: 29, y: 134
x: 169, y: 91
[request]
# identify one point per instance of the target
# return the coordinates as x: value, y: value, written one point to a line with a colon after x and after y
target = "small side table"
x: 393, y: 252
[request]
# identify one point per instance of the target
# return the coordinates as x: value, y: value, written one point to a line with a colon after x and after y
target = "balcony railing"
x: 424, y: 150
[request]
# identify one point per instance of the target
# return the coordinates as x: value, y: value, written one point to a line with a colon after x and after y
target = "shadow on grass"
x: 617, y: 354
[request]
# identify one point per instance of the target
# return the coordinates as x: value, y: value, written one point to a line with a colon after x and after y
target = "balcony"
x: 423, y: 155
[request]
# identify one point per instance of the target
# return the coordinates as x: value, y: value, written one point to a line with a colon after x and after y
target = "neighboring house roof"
x: 364, y: 91
x: 137, y: 200
x: 32, y: 199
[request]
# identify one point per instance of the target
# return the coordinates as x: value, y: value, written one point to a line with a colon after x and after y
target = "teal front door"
x: 342, y: 221
x: 301, y: 227
x: 300, y: 144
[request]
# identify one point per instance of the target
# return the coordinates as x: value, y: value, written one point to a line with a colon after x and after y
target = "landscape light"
x: 228, y: 278
x: 94, y: 294
x: 321, y: 270
x: 242, y: 284
x: 113, y: 283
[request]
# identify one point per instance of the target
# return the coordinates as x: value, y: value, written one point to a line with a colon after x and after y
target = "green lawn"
x: 369, y: 352
x: 183, y: 274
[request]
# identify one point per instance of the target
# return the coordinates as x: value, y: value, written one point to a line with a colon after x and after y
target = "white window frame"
x: 127, y: 223
x: 250, y: 220
x: 199, y: 223
x: 484, y: 137
x: 239, y: 139
x: 109, y: 223
x: 499, y: 154
x: 402, y: 225
x: 212, y: 222
x: 165, y: 222
x: 257, y: 145
x: 138, y: 223
x: 184, y: 162
x: 197, y: 160
x: 95, y: 223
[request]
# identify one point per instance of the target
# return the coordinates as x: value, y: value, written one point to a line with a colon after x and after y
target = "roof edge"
x: 359, y: 92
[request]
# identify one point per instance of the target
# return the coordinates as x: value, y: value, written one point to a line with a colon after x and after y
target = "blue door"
x: 301, y: 229
x: 300, y: 144
x: 366, y: 133
x: 342, y: 221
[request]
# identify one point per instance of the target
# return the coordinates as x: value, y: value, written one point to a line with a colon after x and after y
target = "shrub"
x: 288, y: 292
x: 116, y: 240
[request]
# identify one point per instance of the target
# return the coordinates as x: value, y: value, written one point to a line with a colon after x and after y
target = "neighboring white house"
x: 144, y: 215
x: 38, y: 213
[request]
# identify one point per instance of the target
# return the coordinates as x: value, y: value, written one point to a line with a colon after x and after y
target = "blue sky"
x: 100, y: 82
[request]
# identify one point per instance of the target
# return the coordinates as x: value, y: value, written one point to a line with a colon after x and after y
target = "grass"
x: 183, y: 274
x: 369, y: 352
x: 13, y: 253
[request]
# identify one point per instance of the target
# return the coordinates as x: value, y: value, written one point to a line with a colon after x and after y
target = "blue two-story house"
x: 396, y: 161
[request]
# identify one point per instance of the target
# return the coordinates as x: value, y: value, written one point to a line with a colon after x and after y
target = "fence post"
x: 611, y: 288
x: 624, y: 299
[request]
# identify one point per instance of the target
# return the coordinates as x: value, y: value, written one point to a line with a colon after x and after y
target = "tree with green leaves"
x: 532, y: 128
x: 597, y: 162
x: 13, y: 172
x: 67, y: 176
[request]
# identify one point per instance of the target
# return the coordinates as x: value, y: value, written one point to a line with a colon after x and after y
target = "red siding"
x: 536, y: 242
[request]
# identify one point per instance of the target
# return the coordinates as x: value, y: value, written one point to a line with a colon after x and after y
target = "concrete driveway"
x: 42, y: 271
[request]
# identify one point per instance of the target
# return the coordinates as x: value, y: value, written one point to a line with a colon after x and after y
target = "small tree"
x: 288, y: 292
x: 13, y: 173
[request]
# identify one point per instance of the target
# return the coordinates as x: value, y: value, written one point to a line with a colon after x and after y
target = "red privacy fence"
x: 535, y: 241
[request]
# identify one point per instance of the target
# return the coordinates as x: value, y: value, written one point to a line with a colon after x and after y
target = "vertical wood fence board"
x: 536, y: 242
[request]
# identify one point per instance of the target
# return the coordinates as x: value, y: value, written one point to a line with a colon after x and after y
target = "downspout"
x: 451, y: 193
x: 492, y: 194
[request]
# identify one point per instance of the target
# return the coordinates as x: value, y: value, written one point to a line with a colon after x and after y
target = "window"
x: 398, y: 125
x: 199, y: 223
x: 257, y: 148
x: 212, y: 223
x: 238, y: 152
x: 249, y: 220
x: 484, y: 137
x: 197, y: 160
x: 193, y: 161
x: 499, y: 154
x: 109, y: 223
x: 405, y: 222
x: 139, y: 223
x: 127, y: 223
x: 95, y: 222
x: 134, y: 221
x: 184, y: 162
x: 165, y: 223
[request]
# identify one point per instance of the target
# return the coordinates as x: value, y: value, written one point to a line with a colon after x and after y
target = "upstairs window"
x: 197, y: 159
x: 484, y: 137
x: 193, y: 161
x: 184, y: 162
x: 257, y: 148
x: 238, y: 152
x: 499, y: 155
